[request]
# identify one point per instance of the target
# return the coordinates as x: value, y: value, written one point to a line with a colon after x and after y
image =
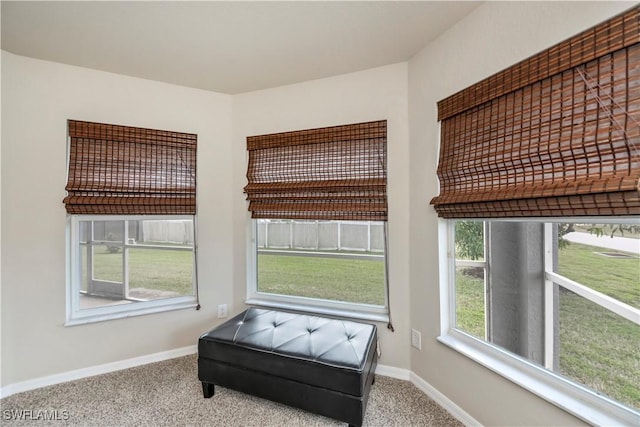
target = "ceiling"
x: 228, y: 47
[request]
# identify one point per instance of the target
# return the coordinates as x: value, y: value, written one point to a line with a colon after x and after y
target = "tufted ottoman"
x: 321, y: 365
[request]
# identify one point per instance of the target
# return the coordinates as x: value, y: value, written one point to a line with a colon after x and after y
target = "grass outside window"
x: 338, y: 279
x: 150, y: 269
x: 597, y: 347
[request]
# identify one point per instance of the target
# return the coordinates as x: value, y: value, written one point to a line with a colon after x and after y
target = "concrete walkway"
x: 625, y: 244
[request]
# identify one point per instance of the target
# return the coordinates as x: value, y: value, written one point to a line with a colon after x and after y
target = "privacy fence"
x: 321, y: 235
x: 173, y: 231
x: 362, y: 236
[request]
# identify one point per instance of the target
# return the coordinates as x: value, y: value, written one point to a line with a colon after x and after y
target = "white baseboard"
x: 95, y: 370
x: 384, y: 370
x: 429, y: 390
x: 444, y: 401
x: 393, y: 372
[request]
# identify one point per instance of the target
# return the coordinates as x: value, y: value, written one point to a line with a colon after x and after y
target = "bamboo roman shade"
x: 124, y: 170
x: 557, y: 134
x: 333, y: 173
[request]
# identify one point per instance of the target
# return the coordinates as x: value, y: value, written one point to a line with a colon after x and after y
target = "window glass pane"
x: 109, y: 231
x: 469, y: 240
x: 332, y: 260
x: 107, y: 263
x: 159, y: 273
x: 470, y: 313
x: 85, y: 231
x: 470, y: 278
x: 599, y: 348
x: 162, y: 232
x: 595, y: 339
x: 85, y: 270
x: 605, y: 258
x: 102, y: 276
x: 128, y: 261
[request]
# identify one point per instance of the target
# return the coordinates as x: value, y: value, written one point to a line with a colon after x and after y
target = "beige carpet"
x: 169, y: 394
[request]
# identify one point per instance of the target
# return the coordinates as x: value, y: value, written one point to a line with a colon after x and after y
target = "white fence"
x: 172, y: 231
x: 284, y: 234
x: 321, y: 235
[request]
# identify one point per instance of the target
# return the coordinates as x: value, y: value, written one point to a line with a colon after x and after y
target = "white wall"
x: 375, y: 94
x: 493, y: 37
x: 37, y: 99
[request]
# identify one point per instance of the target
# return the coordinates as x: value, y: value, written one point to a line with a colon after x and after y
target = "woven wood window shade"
x: 333, y: 173
x: 557, y: 134
x: 124, y: 170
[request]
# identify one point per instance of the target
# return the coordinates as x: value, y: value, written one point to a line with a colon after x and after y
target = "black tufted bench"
x: 321, y: 365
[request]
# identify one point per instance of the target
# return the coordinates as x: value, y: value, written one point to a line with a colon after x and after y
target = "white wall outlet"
x: 416, y: 339
x: 222, y: 311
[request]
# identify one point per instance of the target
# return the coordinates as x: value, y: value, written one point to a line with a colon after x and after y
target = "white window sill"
x: 573, y: 398
x: 310, y: 306
x: 102, y: 314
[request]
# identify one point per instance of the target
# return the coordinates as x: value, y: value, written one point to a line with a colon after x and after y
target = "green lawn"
x: 353, y: 280
x: 470, y: 302
x: 617, y: 277
x: 153, y: 269
x: 597, y: 347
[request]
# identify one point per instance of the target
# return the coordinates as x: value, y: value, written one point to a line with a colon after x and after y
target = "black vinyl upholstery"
x: 322, y: 365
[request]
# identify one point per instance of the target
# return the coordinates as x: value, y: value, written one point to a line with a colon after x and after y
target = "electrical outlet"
x: 222, y: 311
x: 416, y: 339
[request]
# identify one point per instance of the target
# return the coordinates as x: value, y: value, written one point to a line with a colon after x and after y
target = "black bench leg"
x: 208, y: 390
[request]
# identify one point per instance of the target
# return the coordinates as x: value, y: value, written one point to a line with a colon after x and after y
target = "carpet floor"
x: 168, y: 393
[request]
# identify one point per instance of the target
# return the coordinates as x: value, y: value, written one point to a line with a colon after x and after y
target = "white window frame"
x: 318, y: 306
x: 572, y: 397
x: 77, y: 316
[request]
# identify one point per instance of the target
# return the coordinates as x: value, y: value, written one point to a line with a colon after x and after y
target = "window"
x: 563, y: 296
x: 121, y: 265
x: 547, y: 145
x: 336, y: 261
x: 131, y: 221
x: 318, y: 202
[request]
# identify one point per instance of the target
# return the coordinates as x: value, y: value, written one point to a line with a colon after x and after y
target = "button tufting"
x: 333, y: 342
